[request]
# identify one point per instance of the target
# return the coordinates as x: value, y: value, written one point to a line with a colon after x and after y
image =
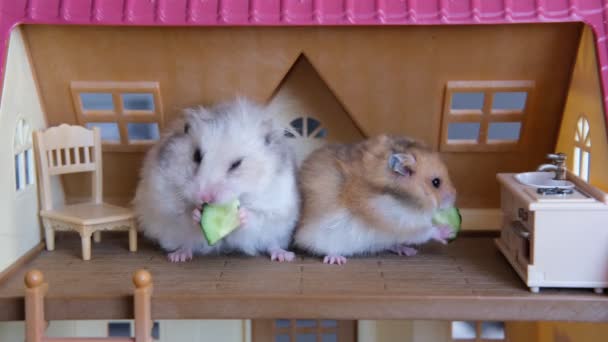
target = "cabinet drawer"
x: 522, y: 215
x: 521, y: 237
x: 516, y: 238
x: 515, y: 209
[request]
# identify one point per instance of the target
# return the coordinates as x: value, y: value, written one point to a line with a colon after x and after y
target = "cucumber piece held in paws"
x: 449, y: 217
x: 219, y: 220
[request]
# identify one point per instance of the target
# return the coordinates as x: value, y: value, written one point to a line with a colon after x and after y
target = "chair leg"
x: 49, y: 235
x: 85, y: 236
x: 97, y: 236
x: 133, y: 238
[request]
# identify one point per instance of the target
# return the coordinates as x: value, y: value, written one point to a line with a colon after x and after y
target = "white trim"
x: 581, y: 163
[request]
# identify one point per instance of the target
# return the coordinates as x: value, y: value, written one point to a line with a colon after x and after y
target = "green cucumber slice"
x: 449, y: 217
x: 219, y: 220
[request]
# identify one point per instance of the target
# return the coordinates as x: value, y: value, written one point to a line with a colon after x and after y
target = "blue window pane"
x: 473, y: 101
x: 306, y: 323
x: 282, y: 338
x: 306, y: 338
x: 493, y: 330
x: 463, y: 330
x: 138, y: 101
x: 109, y: 130
x: 155, y: 331
x: 119, y: 329
x: 143, y: 131
x: 282, y: 323
x: 321, y: 134
x: 29, y: 167
x: 298, y: 124
x: 463, y: 131
x: 329, y: 338
x: 312, y: 125
x: 329, y: 323
x: 17, y: 173
x: 510, y: 100
x: 96, y: 101
x: 504, y: 131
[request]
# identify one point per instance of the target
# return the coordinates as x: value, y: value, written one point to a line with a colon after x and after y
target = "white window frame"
x: 23, y: 156
x: 483, y: 116
x: 306, y: 133
x: 581, y: 157
x: 119, y: 115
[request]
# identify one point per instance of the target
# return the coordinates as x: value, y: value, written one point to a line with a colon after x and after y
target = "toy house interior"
x: 497, y: 101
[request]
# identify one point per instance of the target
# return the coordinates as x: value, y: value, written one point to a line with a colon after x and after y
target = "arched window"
x: 582, y: 148
x: 305, y: 127
x: 24, y: 156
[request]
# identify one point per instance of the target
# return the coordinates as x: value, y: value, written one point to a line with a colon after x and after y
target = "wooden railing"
x: 35, y: 324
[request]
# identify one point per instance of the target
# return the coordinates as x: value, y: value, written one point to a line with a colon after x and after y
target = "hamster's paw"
x: 442, y: 233
x: 242, y: 217
x: 182, y: 254
x: 281, y: 255
x: 334, y: 259
x: 196, y: 215
x: 404, y: 250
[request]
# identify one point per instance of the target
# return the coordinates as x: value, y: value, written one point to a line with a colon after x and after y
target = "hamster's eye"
x: 197, y: 157
x: 186, y: 128
x: 235, y: 165
x: 436, y: 182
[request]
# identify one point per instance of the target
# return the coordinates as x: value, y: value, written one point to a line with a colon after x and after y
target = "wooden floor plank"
x: 468, y: 279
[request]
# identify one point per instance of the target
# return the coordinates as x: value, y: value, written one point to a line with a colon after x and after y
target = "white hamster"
x: 217, y: 154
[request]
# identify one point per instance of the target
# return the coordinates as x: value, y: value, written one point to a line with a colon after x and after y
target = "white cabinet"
x: 555, y: 240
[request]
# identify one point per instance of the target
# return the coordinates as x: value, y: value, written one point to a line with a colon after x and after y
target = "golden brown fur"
x: 338, y: 177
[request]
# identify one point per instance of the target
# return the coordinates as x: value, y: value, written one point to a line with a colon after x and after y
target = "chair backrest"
x: 68, y: 149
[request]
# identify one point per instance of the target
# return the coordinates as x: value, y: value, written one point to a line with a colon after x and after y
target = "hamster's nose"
x: 207, y: 197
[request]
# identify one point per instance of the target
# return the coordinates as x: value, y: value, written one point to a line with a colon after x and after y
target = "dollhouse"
x: 492, y: 85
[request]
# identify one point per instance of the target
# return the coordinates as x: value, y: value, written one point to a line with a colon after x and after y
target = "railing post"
x: 35, y: 290
x: 142, y: 306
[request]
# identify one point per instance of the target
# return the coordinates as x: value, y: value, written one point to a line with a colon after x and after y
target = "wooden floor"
x: 469, y: 279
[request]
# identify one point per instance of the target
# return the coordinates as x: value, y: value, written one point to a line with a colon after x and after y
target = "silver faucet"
x: 557, y: 165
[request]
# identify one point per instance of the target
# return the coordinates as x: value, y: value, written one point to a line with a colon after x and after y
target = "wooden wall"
x: 585, y: 98
x: 389, y: 79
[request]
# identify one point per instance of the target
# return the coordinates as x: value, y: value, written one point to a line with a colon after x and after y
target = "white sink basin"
x: 542, y: 179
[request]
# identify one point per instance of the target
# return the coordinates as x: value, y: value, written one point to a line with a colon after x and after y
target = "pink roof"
x: 307, y: 12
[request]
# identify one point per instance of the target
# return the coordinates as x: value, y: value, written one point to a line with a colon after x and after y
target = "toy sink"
x: 542, y: 179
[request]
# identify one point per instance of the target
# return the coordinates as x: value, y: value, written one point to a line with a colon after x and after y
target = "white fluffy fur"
x: 163, y: 214
x: 272, y: 216
x: 265, y: 182
x: 342, y: 233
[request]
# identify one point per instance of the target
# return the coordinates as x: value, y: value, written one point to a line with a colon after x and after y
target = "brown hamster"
x: 376, y: 195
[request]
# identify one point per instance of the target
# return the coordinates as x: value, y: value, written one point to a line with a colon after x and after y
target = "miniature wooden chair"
x: 70, y: 149
x: 35, y: 324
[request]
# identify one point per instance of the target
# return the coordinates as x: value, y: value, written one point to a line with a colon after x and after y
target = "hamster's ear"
x: 193, y: 117
x: 402, y: 163
x: 197, y: 113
